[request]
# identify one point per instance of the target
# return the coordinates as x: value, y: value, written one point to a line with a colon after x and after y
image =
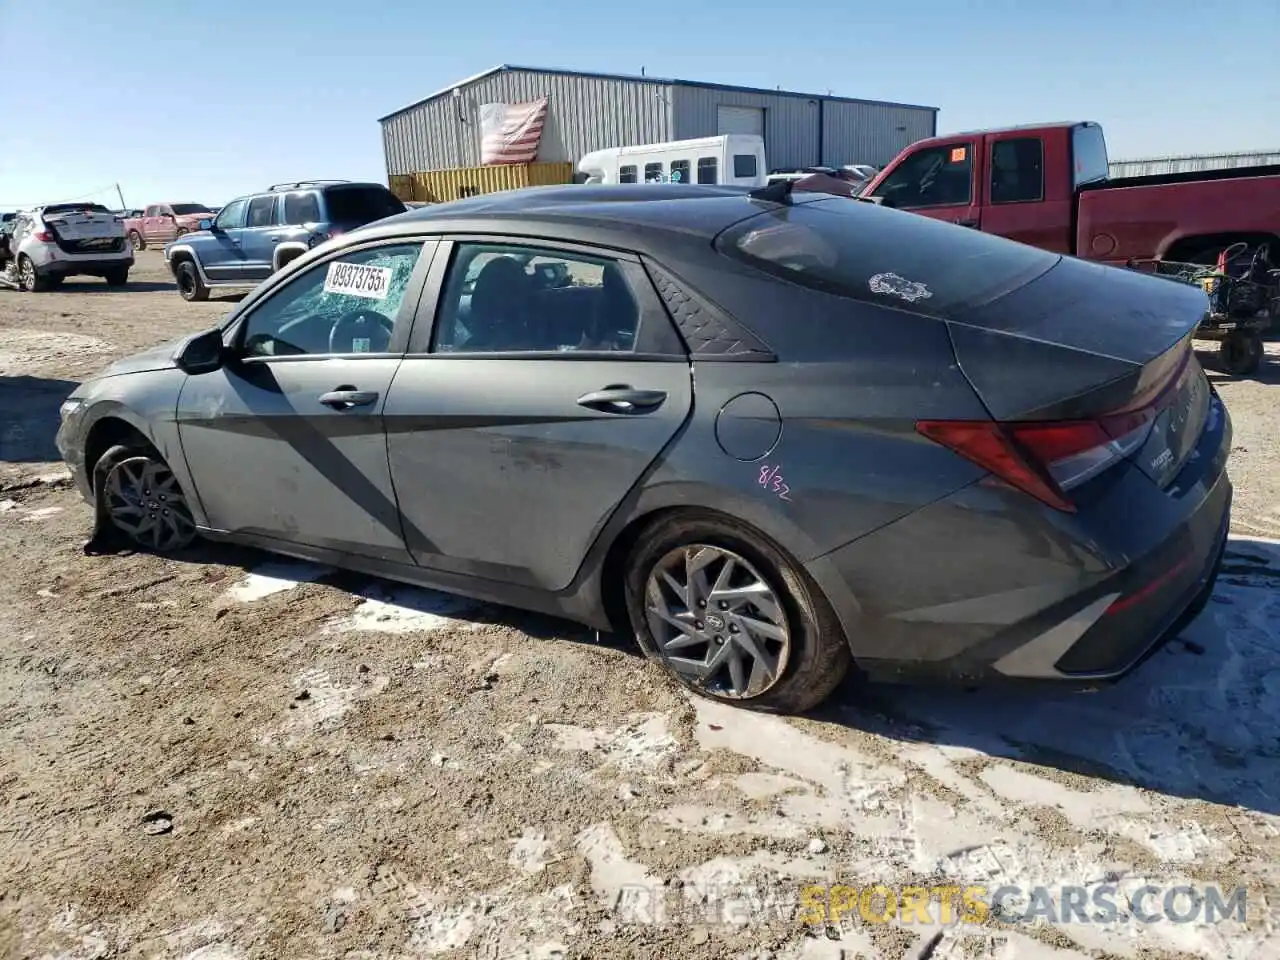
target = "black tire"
x: 117, y: 278
x: 132, y: 480
x: 135, y: 238
x: 54, y: 281
x: 818, y: 657
x: 29, y: 280
x: 1240, y: 353
x: 190, y: 287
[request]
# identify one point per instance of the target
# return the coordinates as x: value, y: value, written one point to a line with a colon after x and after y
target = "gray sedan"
x: 773, y: 435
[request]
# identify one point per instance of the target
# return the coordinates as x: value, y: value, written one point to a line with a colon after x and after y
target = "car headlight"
x: 69, y: 407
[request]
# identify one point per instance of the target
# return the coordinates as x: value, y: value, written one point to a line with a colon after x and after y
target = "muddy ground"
x: 226, y: 756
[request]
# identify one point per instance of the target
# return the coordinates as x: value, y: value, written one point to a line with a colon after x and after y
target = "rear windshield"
x: 861, y: 250
x: 183, y: 209
x: 74, y: 208
x: 361, y: 204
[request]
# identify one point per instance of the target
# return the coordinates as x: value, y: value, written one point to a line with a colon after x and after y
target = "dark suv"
x: 254, y: 236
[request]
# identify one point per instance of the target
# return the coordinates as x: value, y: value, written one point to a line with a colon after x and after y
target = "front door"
x: 521, y: 420
x: 286, y: 441
x: 222, y: 255
x: 938, y: 182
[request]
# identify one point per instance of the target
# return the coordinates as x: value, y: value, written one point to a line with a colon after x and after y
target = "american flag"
x: 510, y: 132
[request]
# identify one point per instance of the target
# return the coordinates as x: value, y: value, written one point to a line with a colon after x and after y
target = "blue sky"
x: 179, y: 100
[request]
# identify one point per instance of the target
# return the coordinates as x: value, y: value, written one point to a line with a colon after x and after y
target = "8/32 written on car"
x: 359, y: 280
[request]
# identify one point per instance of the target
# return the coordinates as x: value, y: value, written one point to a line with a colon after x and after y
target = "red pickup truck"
x: 163, y: 222
x: 1047, y: 185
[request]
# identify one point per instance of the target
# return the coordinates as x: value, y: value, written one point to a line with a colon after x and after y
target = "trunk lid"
x: 1087, y: 342
x: 82, y: 226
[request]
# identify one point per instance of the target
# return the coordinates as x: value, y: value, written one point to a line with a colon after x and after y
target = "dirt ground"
x: 227, y: 756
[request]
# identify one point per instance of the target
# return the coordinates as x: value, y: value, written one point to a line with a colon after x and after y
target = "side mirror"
x: 202, y: 353
x: 206, y: 224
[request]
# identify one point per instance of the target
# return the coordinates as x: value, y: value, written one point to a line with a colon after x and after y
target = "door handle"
x: 344, y: 398
x: 620, y: 398
x: 965, y: 223
x: 275, y: 239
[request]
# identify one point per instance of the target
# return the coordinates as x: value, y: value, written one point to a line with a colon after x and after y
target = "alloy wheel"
x: 144, y: 500
x: 717, y: 622
x: 28, y: 274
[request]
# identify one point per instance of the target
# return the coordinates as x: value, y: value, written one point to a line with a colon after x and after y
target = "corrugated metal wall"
x: 871, y: 133
x: 583, y: 114
x: 790, y: 123
x: 1155, y: 166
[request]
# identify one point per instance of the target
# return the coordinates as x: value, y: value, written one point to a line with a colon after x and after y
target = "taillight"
x: 1048, y: 458
x: 1044, y: 459
x: 43, y: 236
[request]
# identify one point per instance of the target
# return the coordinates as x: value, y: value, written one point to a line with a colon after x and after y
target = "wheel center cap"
x: 715, y: 621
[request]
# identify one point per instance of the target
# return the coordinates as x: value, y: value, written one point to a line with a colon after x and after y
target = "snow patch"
x: 641, y: 743
x: 275, y: 576
x: 400, y: 609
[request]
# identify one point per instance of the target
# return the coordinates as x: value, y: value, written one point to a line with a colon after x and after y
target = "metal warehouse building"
x: 590, y: 111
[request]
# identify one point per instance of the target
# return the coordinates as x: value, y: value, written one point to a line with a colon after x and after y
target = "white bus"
x: 733, y: 158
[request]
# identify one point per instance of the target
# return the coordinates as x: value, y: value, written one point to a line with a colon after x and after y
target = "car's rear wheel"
x: 28, y: 279
x: 116, y: 278
x: 733, y: 618
x: 139, y: 495
x: 190, y: 286
x: 135, y: 238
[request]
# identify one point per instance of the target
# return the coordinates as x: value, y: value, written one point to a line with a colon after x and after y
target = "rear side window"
x: 707, y: 170
x: 300, y: 208
x: 1017, y: 170
x: 361, y: 204
x: 744, y: 164
x: 627, y: 174
x: 868, y: 253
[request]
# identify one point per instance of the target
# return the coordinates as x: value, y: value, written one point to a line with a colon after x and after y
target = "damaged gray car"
x: 775, y: 436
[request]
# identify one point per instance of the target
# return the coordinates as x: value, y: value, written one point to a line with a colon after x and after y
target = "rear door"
x: 260, y: 236
x: 939, y: 182
x: 542, y: 383
x: 1026, y: 195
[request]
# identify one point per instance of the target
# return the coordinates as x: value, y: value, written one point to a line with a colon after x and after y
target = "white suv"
x: 50, y: 243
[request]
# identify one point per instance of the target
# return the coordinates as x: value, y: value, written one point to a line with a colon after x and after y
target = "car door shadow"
x: 1199, y: 720
x: 29, y: 417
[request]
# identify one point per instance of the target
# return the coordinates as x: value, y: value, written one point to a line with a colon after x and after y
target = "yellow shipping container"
x: 440, y: 186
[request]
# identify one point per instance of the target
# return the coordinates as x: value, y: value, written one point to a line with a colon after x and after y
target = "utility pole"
x: 121, y: 196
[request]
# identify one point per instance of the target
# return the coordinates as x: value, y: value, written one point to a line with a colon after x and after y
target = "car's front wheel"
x: 190, y: 286
x: 139, y: 496
x: 731, y: 617
x: 135, y: 238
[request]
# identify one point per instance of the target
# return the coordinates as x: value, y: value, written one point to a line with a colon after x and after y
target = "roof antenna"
x: 777, y: 192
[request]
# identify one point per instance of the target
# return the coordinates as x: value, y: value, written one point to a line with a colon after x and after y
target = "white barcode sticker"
x: 360, y: 344
x: 359, y: 280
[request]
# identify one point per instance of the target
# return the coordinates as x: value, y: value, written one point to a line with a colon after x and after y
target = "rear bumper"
x: 69, y: 266
x: 987, y: 586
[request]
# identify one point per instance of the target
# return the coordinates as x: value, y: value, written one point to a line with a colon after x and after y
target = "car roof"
x: 627, y: 216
